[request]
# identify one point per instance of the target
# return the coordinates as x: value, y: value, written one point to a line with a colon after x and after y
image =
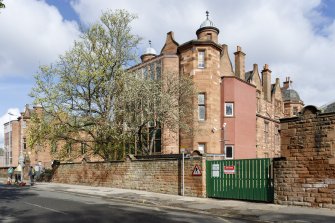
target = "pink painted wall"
x: 240, y: 130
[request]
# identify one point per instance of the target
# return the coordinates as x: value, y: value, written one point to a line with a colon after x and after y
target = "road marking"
x: 50, y: 209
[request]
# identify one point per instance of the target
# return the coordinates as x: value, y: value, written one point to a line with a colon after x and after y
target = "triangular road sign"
x: 196, y: 170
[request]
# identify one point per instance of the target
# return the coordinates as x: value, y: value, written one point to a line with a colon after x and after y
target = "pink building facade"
x: 238, y: 106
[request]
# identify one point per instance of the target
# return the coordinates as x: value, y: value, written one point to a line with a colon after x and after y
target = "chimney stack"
x: 240, y: 63
x: 255, y: 68
x: 266, y: 82
x: 287, y: 83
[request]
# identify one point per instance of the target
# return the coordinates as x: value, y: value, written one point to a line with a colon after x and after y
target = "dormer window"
x: 201, y: 59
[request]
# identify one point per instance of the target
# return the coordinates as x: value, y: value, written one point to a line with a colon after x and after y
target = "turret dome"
x: 291, y: 95
x: 207, y: 30
x: 207, y: 23
x: 150, y: 50
x: 149, y: 53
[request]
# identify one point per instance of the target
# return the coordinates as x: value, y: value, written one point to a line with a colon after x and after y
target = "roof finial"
x: 150, y: 43
x: 207, y: 14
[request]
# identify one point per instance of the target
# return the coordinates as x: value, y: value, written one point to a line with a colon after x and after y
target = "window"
x: 158, y: 70
x: 153, y: 137
x: 209, y: 36
x: 145, y: 72
x: 201, y: 106
x: 229, y: 109
x: 24, y: 143
x: 201, y: 147
x: 229, y: 151
x: 152, y: 71
x: 83, y: 148
x: 24, y: 124
x: 295, y: 110
x: 68, y: 148
x: 201, y: 59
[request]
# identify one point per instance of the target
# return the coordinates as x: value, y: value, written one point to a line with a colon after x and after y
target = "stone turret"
x: 149, y: 53
x: 207, y: 30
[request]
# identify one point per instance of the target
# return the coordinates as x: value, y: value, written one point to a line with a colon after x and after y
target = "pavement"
x: 250, y: 211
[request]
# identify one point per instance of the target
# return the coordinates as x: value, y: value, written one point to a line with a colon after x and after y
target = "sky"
x: 296, y: 38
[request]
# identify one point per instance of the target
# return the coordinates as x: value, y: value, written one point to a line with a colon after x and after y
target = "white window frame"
x: 201, y: 59
x: 232, y: 152
x: 232, y: 109
x: 203, y: 146
x: 200, y: 105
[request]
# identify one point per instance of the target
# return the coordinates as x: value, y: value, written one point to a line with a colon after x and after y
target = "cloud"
x: 294, y: 38
x: 11, y: 114
x: 32, y: 33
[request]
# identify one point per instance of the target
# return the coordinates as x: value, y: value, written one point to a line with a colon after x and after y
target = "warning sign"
x: 229, y: 170
x: 196, y: 170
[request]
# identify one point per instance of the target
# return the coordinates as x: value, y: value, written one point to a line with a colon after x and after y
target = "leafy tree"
x: 152, y: 105
x: 90, y: 98
x: 2, y: 5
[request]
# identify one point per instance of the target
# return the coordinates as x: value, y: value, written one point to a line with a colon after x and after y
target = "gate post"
x: 204, y: 175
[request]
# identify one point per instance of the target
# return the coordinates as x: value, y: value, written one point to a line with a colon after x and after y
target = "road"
x: 29, y: 204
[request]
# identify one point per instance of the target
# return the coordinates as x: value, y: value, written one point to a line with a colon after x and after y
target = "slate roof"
x: 328, y: 107
x: 290, y: 95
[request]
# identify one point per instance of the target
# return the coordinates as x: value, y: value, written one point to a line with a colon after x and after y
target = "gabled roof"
x: 248, y: 76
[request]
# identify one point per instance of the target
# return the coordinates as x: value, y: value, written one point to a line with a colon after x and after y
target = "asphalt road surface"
x: 28, y: 204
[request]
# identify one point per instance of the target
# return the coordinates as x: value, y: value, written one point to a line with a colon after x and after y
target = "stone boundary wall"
x: 305, y: 175
x: 3, y: 172
x: 158, y: 175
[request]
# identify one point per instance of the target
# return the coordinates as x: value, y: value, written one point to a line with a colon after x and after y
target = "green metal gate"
x: 247, y: 179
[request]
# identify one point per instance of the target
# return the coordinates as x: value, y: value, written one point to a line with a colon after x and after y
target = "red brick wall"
x: 162, y: 176
x: 306, y: 175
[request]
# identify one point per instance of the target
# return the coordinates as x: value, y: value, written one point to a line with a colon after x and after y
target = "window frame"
x: 232, y: 152
x: 201, y: 59
x: 83, y: 148
x: 202, y: 105
x: 232, y: 109
x: 204, y: 147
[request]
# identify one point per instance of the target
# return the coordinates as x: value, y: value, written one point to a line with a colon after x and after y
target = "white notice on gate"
x: 215, y: 170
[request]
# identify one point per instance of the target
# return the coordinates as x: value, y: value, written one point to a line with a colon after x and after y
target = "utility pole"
x: 183, y: 172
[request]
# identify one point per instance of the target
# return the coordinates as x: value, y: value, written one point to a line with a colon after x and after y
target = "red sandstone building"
x: 236, y: 113
x: 15, y: 142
